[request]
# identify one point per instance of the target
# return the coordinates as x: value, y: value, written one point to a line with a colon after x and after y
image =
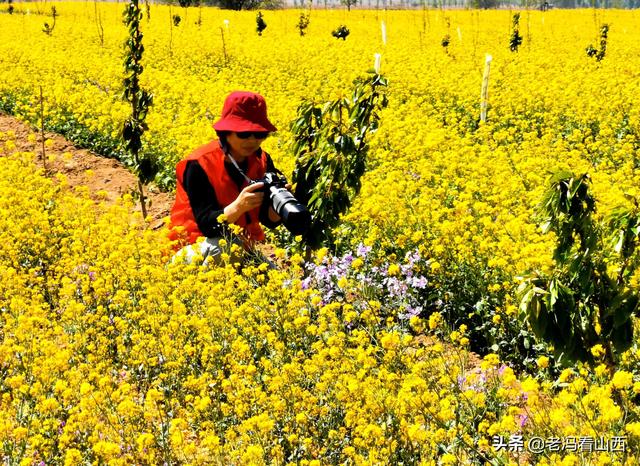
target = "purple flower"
x: 411, y: 312
x: 393, y: 286
x: 334, y: 271
x: 363, y: 250
x: 461, y: 380
x: 419, y: 282
x: 412, y: 257
x: 322, y: 273
x: 407, y: 270
x: 523, y: 419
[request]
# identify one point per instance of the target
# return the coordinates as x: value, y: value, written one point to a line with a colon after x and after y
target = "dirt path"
x: 105, y: 174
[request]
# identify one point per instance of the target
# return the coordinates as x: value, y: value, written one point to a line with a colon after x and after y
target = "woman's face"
x: 242, y: 148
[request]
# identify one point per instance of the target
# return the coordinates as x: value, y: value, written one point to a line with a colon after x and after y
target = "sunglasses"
x: 255, y: 134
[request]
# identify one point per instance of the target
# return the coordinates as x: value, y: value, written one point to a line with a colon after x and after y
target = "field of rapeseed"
x: 110, y: 356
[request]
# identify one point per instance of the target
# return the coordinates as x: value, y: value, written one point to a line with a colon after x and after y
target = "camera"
x: 295, y: 216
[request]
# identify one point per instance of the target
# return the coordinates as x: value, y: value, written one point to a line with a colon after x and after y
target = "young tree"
x: 261, y: 25
x: 582, y: 304
x: 516, y: 39
x: 48, y: 29
x: 349, y: 3
x: 238, y: 4
x: 341, y: 32
x: 139, y: 99
x: 303, y: 23
x: 600, y: 53
x: 330, y: 145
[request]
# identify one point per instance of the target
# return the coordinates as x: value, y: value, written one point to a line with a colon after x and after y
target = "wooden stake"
x: 485, y: 89
x: 224, y: 48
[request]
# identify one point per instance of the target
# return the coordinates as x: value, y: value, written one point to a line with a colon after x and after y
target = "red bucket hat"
x: 244, y: 111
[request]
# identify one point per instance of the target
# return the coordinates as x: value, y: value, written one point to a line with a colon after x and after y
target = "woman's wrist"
x: 232, y: 212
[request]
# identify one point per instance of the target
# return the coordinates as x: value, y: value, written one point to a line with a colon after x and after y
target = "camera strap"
x: 235, y: 164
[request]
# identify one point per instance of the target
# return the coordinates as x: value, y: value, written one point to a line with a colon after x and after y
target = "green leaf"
x: 622, y: 337
x: 625, y: 310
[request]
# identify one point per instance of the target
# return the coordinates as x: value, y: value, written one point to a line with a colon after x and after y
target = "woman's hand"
x: 247, y: 200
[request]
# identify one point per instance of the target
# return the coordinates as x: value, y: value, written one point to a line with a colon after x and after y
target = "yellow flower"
x: 435, y: 319
x: 622, y: 380
x: 20, y: 433
x: 633, y: 428
x: 253, y: 455
x: 597, y: 351
x: 321, y: 254
x: 600, y: 370
x: 448, y: 458
x: 511, y: 310
x: 357, y: 263
x: 72, y: 457
x: 85, y: 388
x: 144, y: 440
x: 542, y: 362
x: 393, y: 270
x: 390, y: 340
x: 566, y: 375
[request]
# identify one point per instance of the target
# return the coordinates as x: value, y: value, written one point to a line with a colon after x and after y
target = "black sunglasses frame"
x: 255, y: 134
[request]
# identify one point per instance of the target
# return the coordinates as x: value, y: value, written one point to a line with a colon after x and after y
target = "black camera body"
x: 295, y: 215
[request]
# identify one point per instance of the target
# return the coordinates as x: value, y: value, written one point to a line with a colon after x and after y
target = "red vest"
x: 211, y: 158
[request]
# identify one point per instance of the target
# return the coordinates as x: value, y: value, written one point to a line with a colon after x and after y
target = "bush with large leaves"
x: 582, y: 303
x: 330, y: 144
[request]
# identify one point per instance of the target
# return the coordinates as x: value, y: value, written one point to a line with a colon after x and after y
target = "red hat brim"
x: 237, y: 124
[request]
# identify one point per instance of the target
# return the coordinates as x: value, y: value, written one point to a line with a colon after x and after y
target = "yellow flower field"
x: 109, y: 354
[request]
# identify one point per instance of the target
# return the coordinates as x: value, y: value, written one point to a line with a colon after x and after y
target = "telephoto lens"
x: 295, y: 216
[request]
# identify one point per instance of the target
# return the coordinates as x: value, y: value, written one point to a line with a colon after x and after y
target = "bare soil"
x: 108, y: 175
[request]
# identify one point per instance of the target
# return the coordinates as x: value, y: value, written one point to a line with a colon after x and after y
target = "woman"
x: 216, y: 179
